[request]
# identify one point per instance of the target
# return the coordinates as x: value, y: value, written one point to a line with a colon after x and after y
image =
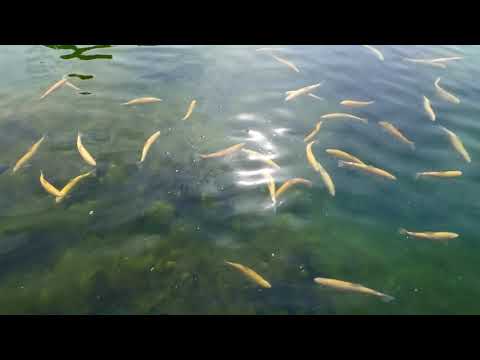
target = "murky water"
x: 154, y: 238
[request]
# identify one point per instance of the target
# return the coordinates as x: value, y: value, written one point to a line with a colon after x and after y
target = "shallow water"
x: 152, y: 239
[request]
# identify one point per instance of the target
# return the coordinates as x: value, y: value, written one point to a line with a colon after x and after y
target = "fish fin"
x: 387, y: 298
x: 402, y: 231
x: 341, y: 163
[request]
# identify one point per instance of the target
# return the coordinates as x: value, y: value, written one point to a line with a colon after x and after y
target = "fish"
x: 375, y: 51
x: 54, y: 87
x: 344, y: 155
x: 142, y: 100
x: 457, y: 144
x: 351, y: 287
x: 438, y: 235
x: 289, y: 183
x: 249, y: 273
x: 84, y: 153
x: 68, y: 83
x: 367, y: 168
x: 148, y: 144
x: 447, y: 59
x: 434, y: 61
x: 28, y: 155
x: 305, y: 90
x: 319, y: 168
x: 340, y: 115
x: 286, y: 62
x: 428, y: 108
x: 224, y: 152
x: 428, y: 62
x: 439, y: 174
x: 313, y: 132
x: 392, y: 130
x: 52, y: 190
x: 356, y: 104
x: 444, y: 94
x: 315, y: 96
x: 67, y: 188
x: 271, y: 186
x: 257, y: 156
x: 190, y: 109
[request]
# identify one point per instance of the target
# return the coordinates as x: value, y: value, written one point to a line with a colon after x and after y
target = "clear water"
x: 153, y: 239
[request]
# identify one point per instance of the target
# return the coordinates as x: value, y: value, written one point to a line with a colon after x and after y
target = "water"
x: 153, y: 239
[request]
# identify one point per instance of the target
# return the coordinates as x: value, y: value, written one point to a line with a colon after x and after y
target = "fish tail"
x: 387, y: 298
x: 402, y: 231
x: 417, y: 176
x: 139, y: 164
x: 341, y: 163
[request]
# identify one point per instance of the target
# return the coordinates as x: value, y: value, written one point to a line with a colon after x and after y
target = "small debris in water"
x: 90, y: 212
x: 152, y: 268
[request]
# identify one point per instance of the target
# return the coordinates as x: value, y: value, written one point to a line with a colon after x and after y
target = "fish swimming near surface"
x: 355, y: 103
x: 28, y: 155
x: 249, y: 273
x: 444, y: 94
x: 447, y: 59
x: 148, y: 144
x: 292, y: 94
x: 375, y: 51
x: 344, y: 115
x: 190, y: 109
x: 313, y: 132
x: 427, y: 62
x: 271, y: 186
x: 228, y: 151
x: 351, y: 287
x: 286, y: 62
x: 68, y: 83
x: 457, y: 144
x: 67, y: 188
x: 52, y: 190
x: 142, y: 100
x: 392, y: 130
x: 291, y: 182
x: 343, y: 155
x: 327, y: 180
x: 84, y: 152
x: 54, y: 87
x: 257, y: 156
x: 427, y: 105
x: 367, y: 168
x: 439, y: 174
x: 429, y: 235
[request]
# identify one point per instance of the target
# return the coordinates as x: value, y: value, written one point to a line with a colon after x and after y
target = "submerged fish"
x: 142, y: 100
x: 224, y: 152
x: 319, y: 168
x: 289, y: 183
x: 367, y: 168
x: 190, y: 109
x: 444, y: 94
x: 438, y: 61
x: 441, y: 235
x: 52, y: 190
x: 343, y: 155
x: 28, y: 155
x: 375, y: 51
x: 457, y: 144
x: 392, y: 130
x: 84, y: 153
x: 427, y: 62
x: 313, y: 132
x: 351, y: 287
x: 249, y: 273
x: 439, y: 174
x: 67, y: 188
x: 286, y: 62
x: 271, y: 186
x: 356, y: 104
x: 148, y: 144
x: 305, y: 90
x: 68, y: 83
x: 428, y: 108
x: 257, y: 156
x: 344, y: 115
x: 54, y: 87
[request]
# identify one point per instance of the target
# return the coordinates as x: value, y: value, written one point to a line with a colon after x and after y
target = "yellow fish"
x: 367, y: 168
x: 28, y: 155
x: 67, y: 188
x: 49, y: 187
x: 439, y: 174
x: 392, y: 130
x: 319, y: 168
x: 271, y: 186
x: 444, y: 94
x: 249, y: 273
x: 289, y: 183
x: 356, y: 104
x: 441, y: 236
x: 224, y: 152
x: 343, y: 155
x: 142, y: 100
x: 190, y: 110
x: 288, y: 63
x: 148, y: 144
x: 313, y: 132
x: 457, y: 144
x: 344, y: 115
x: 84, y: 153
x: 305, y: 90
x: 54, y: 87
x: 427, y: 105
x: 351, y: 287
x: 257, y: 156
x: 375, y: 51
